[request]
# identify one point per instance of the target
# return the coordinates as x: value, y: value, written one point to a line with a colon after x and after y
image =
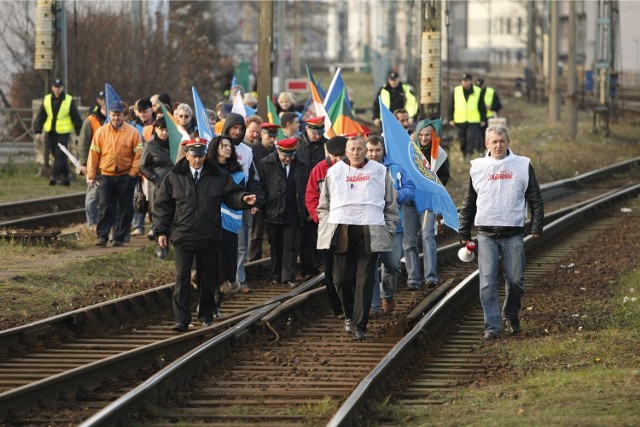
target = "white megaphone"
x: 467, y: 253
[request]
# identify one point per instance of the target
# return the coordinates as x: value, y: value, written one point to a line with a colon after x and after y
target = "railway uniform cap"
x: 393, y: 75
x: 336, y: 145
x: 467, y: 76
x: 270, y: 128
x: 117, y: 106
x: 195, y: 146
x: 287, y: 146
x: 315, y: 123
x: 144, y: 104
x: 101, y: 94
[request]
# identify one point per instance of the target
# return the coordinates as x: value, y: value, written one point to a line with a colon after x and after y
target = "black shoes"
x: 180, y: 327
x: 101, y: 242
x: 431, y: 284
x: 53, y: 181
x: 207, y: 323
x: 490, y: 336
x: 117, y: 244
x: 513, y: 326
x: 359, y: 335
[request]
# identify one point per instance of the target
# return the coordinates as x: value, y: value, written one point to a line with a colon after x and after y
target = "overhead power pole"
x: 431, y: 60
x: 531, y: 74
x: 554, y: 91
x: 572, y: 102
x: 265, y: 49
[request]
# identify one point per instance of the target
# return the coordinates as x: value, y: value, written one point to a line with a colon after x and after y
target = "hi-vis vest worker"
x: 63, y: 119
x: 466, y: 110
x: 411, y: 103
x: 489, y: 92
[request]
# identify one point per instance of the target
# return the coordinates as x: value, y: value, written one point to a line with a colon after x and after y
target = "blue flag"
x: 401, y: 149
x: 110, y: 95
x: 204, y: 126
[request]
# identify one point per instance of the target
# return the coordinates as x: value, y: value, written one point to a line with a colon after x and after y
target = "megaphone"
x: 467, y: 253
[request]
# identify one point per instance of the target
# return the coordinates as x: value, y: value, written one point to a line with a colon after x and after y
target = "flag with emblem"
x: 430, y: 194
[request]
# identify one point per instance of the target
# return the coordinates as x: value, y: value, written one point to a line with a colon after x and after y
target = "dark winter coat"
x: 274, y: 187
x: 155, y: 162
x: 190, y: 215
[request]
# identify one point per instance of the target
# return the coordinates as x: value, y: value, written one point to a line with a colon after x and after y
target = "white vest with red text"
x: 500, y: 185
x: 357, y: 194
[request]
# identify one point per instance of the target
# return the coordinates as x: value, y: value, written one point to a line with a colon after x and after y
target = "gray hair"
x: 185, y: 107
x: 498, y: 130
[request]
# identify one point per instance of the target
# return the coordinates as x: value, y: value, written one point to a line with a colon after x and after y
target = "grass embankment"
x: 568, y: 379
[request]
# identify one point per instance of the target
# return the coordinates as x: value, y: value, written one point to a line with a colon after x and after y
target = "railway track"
x: 67, y: 358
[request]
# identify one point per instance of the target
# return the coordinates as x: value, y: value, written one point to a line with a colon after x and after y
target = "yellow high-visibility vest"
x: 411, y: 103
x: 63, y: 120
x: 466, y: 110
x: 488, y: 100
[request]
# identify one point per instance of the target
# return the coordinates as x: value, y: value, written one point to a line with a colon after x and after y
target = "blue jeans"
x: 91, y: 205
x: 412, y: 224
x: 391, y: 269
x: 513, y: 261
x: 243, y: 245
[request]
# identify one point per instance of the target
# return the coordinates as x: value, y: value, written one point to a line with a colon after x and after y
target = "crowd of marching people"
x: 341, y: 202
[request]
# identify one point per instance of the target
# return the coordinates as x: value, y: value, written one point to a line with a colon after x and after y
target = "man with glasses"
x: 184, y: 116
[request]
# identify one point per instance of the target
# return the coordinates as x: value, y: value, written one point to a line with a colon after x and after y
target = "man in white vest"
x: 358, y: 215
x: 502, y: 184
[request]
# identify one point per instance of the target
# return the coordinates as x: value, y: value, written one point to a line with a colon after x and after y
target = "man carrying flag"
x: 423, y: 223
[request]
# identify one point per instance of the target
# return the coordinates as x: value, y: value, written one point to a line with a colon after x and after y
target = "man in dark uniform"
x: 187, y: 213
x: 468, y: 114
x: 489, y: 97
x: 283, y: 178
x: 58, y: 117
x: 311, y: 149
x: 395, y: 95
x: 262, y: 147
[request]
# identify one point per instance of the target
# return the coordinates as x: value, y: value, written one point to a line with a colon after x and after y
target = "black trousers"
x: 283, y: 240
x: 353, y: 274
x: 308, y: 252
x: 257, y: 233
x: 115, y: 206
x: 229, y: 256
x: 332, y: 293
x: 468, y: 133
x: 206, y: 261
x: 60, y: 160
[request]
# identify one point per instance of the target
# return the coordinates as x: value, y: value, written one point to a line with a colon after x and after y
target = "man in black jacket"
x: 283, y: 178
x: 501, y: 187
x: 187, y: 213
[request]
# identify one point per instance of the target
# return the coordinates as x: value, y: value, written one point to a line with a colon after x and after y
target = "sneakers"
x: 388, y: 306
x: 513, y: 326
x: 359, y: 335
x: 101, y: 242
x: 291, y: 284
x: 347, y: 325
x: 138, y: 232
x: 414, y: 286
x: 490, y: 336
x: 207, y: 323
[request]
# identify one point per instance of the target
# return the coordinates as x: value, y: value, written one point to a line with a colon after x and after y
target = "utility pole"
x: 265, y: 49
x: 530, y: 73
x: 554, y: 92
x: 572, y: 104
x: 431, y: 60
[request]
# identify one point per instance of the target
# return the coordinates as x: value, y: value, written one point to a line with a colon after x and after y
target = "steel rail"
x: 350, y: 413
